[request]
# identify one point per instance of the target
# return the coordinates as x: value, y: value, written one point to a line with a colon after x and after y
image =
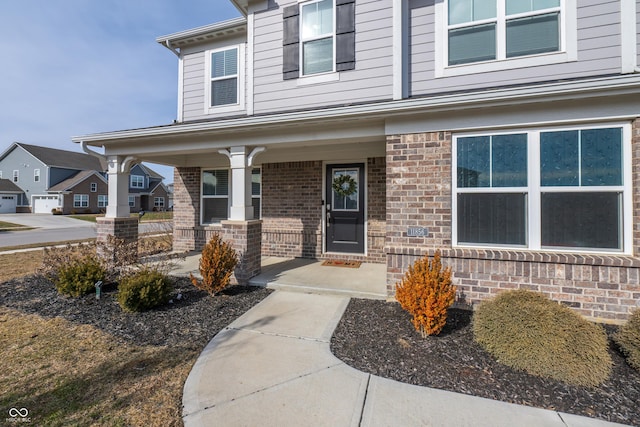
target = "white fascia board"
x: 628, y: 84
x: 201, y: 31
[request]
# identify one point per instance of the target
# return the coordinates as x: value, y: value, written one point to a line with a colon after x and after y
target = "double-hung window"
x: 158, y: 202
x: 489, y: 35
x: 16, y: 175
x: 80, y: 200
x: 215, y: 195
x: 132, y: 201
x: 137, y: 181
x: 36, y: 175
x: 102, y: 200
x: 544, y: 189
x: 256, y: 192
x: 225, y: 79
x: 317, y: 37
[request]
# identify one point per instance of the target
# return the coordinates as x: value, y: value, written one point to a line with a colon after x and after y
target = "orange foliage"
x: 216, y: 266
x: 426, y: 292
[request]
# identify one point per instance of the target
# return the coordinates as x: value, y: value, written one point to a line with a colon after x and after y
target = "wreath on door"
x: 344, y: 185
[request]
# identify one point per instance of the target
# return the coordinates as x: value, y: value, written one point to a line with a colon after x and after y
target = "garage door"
x: 8, y: 203
x: 44, y: 204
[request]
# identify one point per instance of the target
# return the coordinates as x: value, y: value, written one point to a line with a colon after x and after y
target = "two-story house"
x: 53, y: 179
x: 505, y: 133
x: 147, y: 192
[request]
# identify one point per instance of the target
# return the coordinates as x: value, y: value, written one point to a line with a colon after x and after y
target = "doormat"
x: 341, y: 263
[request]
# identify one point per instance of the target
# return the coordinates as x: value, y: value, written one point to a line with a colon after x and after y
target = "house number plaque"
x: 417, y: 232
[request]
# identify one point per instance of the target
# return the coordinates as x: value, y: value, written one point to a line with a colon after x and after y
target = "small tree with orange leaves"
x: 426, y: 292
x: 216, y: 266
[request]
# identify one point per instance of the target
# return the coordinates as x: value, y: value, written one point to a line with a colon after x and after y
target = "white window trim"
x: 533, y: 189
x: 131, y: 181
x: 568, y: 44
x: 132, y: 201
x: 36, y: 175
x: 240, y: 105
x: 202, y: 196
x: 79, y: 200
x: 259, y: 196
x: 103, y: 200
x: 16, y: 176
x: 327, y: 76
x: 94, y: 187
x: 156, y: 202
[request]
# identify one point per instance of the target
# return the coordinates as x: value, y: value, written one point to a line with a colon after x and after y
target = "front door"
x: 344, y: 204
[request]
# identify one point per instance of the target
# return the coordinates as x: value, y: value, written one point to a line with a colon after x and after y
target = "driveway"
x: 45, y: 221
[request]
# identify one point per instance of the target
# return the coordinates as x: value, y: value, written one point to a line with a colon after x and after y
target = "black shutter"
x: 345, y: 35
x: 291, y: 42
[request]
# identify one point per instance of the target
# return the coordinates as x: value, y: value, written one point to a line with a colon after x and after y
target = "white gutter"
x: 201, y: 31
x: 629, y: 83
x: 87, y: 150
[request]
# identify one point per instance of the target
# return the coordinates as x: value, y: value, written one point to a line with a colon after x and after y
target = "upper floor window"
x: 16, y: 176
x: 36, y: 175
x: 554, y: 189
x: 487, y: 35
x: 225, y: 79
x: 137, y: 181
x: 319, y: 38
x: 94, y: 187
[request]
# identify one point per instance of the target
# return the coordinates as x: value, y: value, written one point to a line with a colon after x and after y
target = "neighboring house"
x: 37, y: 169
x: 9, y: 194
x: 84, y: 192
x: 147, y: 192
x: 504, y: 133
x: 170, y: 195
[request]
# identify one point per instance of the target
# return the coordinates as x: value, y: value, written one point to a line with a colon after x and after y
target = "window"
x: 36, y: 175
x: 225, y: 79
x: 544, y: 189
x: 94, y: 187
x: 137, y: 181
x: 132, y: 201
x: 158, y: 202
x: 80, y: 200
x: 489, y: 35
x: 103, y: 201
x: 319, y: 37
x: 256, y: 193
x: 16, y: 175
x: 215, y: 196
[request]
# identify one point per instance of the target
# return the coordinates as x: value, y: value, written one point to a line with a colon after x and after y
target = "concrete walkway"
x: 273, y: 367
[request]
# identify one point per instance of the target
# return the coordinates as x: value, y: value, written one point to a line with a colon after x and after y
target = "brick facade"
x: 188, y: 235
x: 245, y: 237
x: 419, y: 177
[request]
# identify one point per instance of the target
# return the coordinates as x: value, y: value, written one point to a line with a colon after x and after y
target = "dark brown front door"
x: 345, y: 208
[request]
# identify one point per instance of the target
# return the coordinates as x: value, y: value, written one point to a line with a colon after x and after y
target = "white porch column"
x: 241, y: 208
x: 118, y: 178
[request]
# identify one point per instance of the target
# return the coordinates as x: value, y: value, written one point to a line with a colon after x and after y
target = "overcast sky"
x: 75, y: 67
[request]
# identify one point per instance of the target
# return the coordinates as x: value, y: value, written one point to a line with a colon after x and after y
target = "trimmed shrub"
x: 80, y: 276
x: 144, y: 289
x: 527, y: 331
x: 426, y: 292
x: 216, y: 266
x: 628, y: 338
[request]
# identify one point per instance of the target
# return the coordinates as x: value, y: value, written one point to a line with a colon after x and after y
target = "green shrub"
x: 628, y: 338
x: 216, y: 266
x: 526, y: 330
x: 426, y: 292
x: 144, y: 289
x: 80, y: 276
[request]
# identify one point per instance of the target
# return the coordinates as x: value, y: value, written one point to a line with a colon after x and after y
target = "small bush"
x: 216, y: 266
x: 79, y: 277
x: 527, y: 331
x: 144, y: 289
x: 426, y: 292
x: 628, y: 338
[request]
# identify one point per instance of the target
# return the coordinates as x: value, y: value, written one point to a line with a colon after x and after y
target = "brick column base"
x: 246, y: 239
x: 121, y: 228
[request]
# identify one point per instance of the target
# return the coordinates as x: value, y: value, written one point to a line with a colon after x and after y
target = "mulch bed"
x: 377, y: 337
x: 189, y: 322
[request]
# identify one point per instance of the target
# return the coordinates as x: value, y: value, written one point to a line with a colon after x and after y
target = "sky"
x: 76, y: 67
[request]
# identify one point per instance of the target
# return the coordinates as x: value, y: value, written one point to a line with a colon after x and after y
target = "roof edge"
x: 184, y: 36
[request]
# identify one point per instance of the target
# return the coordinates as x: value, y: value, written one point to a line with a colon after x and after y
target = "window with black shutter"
x: 310, y: 35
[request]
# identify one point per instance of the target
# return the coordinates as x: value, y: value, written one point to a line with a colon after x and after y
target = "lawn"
x: 148, y: 216
x: 6, y: 226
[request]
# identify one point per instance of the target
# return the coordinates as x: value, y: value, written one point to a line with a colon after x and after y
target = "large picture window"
x: 544, y: 189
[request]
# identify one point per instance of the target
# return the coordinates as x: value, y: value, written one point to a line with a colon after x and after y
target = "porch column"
x: 241, y: 230
x: 117, y: 221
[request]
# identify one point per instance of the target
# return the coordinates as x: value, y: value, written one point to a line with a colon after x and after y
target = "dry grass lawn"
x: 66, y: 374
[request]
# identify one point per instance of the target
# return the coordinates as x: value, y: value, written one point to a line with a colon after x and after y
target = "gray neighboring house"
x: 9, y: 193
x: 36, y: 169
x: 147, y: 192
